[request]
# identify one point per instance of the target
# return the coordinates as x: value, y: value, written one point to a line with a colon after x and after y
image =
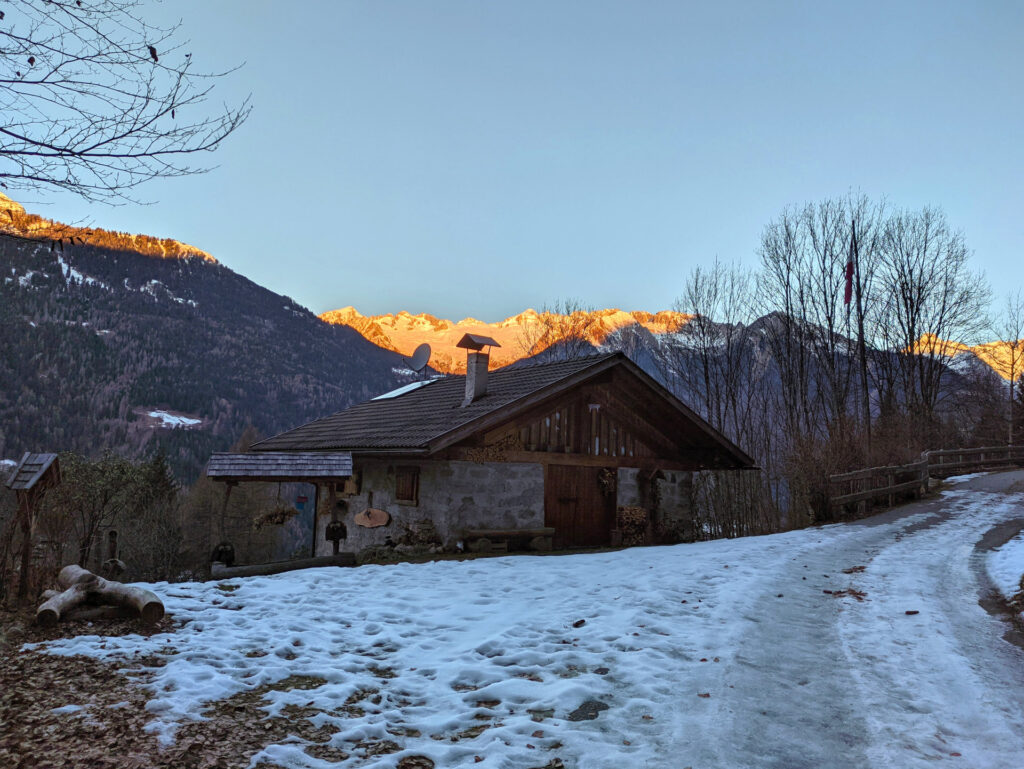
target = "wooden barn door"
x: 574, y: 505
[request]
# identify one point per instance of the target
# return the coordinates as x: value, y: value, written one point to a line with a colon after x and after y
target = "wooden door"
x: 575, y: 506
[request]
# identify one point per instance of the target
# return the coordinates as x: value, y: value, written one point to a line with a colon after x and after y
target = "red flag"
x: 849, y: 268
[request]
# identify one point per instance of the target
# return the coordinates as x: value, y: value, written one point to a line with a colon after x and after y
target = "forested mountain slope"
x: 105, y: 348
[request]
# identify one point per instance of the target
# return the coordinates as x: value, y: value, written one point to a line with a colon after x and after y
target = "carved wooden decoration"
x: 372, y: 517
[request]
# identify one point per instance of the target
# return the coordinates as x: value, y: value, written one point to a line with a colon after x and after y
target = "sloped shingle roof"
x: 425, y: 419
x: 414, y: 419
x: 275, y: 465
x: 29, y: 471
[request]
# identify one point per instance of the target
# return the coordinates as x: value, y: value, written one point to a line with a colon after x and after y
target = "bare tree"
x: 936, y: 302
x: 94, y: 495
x: 564, y: 329
x: 713, y: 366
x: 866, y: 221
x: 96, y: 100
x: 714, y: 363
x: 804, y: 254
x: 1009, y: 353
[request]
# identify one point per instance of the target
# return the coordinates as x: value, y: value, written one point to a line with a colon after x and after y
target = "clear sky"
x: 475, y: 158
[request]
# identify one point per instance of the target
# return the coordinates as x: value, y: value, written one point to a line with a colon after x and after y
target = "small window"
x: 407, y: 485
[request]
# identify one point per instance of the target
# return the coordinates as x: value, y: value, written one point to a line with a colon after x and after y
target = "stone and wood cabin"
x: 547, y: 451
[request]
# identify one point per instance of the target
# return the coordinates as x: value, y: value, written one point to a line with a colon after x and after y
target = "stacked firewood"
x: 633, y: 522
x: 281, y: 514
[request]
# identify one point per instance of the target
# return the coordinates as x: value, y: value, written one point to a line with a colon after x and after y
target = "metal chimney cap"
x: 476, y: 342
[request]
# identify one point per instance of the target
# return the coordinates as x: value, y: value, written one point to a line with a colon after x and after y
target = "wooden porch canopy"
x: 34, y: 474
x: 32, y: 469
x: 281, y: 466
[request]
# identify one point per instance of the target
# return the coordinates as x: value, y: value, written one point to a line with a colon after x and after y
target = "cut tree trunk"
x: 82, y: 586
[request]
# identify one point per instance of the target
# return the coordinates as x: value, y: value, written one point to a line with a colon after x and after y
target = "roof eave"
x: 708, y: 429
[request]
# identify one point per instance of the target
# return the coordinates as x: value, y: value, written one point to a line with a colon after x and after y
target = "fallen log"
x: 99, y: 613
x: 82, y: 586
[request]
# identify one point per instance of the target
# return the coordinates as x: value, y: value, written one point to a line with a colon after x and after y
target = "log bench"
x: 504, y: 540
x: 219, y: 570
x: 84, y: 587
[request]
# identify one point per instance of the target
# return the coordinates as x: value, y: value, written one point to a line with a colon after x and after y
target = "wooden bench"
x: 503, y: 540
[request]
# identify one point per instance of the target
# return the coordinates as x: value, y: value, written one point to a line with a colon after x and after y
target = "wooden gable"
x: 613, y: 419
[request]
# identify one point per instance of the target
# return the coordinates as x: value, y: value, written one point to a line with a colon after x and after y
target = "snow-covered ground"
x: 173, y: 421
x: 859, y: 645
x: 1006, y: 567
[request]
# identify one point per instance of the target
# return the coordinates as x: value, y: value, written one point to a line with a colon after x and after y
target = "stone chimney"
x: 477, y: 362
x: 476, y: 376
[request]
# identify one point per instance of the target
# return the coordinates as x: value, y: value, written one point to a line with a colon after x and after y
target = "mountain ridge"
x: 520, y: 336
x: 108, y: 348
x: 17, y: 222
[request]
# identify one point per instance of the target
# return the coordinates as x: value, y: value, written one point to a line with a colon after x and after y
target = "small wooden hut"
x: 537, y: 453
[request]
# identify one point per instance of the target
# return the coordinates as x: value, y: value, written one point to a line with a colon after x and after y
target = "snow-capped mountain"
x: 520, y: 336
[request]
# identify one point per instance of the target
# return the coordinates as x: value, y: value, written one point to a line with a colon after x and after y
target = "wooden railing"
x: 948, y: 462
x: 896, y: 482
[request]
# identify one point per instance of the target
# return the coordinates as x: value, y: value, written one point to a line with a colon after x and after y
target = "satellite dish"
x: 420, y: 358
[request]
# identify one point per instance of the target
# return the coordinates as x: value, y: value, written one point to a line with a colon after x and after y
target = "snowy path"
x: 698, y: 659
x: 864, y: 684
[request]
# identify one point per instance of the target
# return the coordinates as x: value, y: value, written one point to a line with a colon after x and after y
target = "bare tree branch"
x: 97, y: 101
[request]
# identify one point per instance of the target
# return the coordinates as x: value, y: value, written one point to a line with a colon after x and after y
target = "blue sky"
x: 475, y: 158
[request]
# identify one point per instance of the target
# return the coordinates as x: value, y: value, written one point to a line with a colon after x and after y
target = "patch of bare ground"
x: 104, y: 728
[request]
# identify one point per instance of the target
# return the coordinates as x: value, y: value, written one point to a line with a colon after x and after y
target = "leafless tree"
x: 934, y: 302
x: 96, y: 100
x: 564, y: 329
x: 866, y: 222
x: 1009, y: 351
x: 715, y: 364
x: 804, y: 255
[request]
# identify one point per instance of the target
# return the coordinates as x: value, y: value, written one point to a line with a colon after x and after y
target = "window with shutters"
x: 407, y: 485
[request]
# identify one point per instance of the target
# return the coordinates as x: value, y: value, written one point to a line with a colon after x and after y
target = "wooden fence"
x: 898, y: 482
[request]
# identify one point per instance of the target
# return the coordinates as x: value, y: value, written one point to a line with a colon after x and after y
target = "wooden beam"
x: 642, y: 429
x: 222, y: 534
x: 25, y: 513
x: 316, y: 512
x: 728, y: 448
x: 236, y: 479
x: 546, y: 458
x: 220, y: 571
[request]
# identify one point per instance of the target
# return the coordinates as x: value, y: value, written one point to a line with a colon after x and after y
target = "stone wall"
x: 453, y: 495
